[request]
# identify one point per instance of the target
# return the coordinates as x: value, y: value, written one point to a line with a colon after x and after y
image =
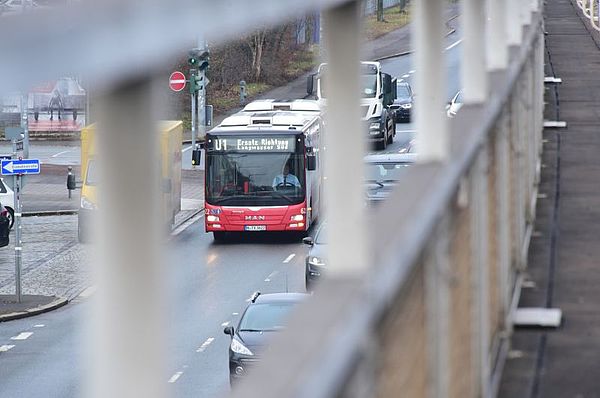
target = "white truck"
x: 378, y: 92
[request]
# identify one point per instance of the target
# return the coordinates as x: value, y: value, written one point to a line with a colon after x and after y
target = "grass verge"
x: 392, y: 19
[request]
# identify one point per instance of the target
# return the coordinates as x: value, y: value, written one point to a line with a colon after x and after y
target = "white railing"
x: 591, y: 10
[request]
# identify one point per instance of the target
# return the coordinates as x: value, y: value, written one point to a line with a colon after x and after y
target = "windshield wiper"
x: 250, y: 330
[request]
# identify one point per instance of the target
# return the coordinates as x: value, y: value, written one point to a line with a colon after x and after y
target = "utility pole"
x: 198, y: 61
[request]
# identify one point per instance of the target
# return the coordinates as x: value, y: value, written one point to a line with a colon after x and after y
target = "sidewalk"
x: 564, y: 267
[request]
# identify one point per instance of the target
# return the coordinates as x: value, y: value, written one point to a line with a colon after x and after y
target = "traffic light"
x: 196, y: 83
x: 193, y: 58
x: 203, y: 59
x: 198, y: 59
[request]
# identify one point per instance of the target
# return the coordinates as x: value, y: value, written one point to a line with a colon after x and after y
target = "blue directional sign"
x: 10, y: 167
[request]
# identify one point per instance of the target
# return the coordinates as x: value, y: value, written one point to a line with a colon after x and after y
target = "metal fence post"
x: 503, y: 215
x: 497, y: 50
x: 514, y: 31
x: 479, y: 245
x: 344, y: 142
x: 437, y: 305
x: 430, y: 84
x: 126, y: 337
x: 474, y: 77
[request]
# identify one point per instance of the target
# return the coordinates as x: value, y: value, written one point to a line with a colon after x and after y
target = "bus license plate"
x: 255, y: 228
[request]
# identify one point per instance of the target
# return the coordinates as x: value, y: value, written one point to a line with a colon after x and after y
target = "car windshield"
x: 458, y: 98
x: 402, y: 92
x: 266, y: 316
x: 321, y: 237
x: 255, y: 179
x: 385, y: 171
x: 91, y: 177
x: 368, y: 88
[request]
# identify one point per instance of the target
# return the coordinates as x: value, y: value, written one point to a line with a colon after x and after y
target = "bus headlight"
x: 297, y: 217
x: 211, y: 218
x: 374, y: 126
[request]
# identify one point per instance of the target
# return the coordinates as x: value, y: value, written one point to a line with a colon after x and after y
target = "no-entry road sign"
x: 177, y: 81
x: 11, y: 167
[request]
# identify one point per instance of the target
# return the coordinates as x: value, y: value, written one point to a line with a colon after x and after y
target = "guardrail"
x: 588, y: 7
x: 431, y: 312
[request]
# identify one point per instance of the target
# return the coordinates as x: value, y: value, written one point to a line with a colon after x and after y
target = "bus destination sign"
x: 253, y: 144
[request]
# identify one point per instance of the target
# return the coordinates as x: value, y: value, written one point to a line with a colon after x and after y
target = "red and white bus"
x: 263, y: 169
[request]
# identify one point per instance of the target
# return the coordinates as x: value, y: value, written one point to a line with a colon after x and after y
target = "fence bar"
x: 432, y: 136
x: 479, y: 245
x: 344, y: 195
x: 437, y: 302
x: 473, y: 72
x: 126, y: 339
x: 497, y: 50
x: 514, y: 31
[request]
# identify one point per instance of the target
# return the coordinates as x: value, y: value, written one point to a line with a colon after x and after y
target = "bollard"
x: 71, y: 184
x: 243, y: 92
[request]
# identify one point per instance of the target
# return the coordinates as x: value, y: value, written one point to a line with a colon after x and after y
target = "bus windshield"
x: 254, y: 179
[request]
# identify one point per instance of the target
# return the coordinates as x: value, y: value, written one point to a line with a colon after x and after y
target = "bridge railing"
x: 430, y: 312
x: 421, y: 290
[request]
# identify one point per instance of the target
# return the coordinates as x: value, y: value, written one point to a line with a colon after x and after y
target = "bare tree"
x: 256, y: 42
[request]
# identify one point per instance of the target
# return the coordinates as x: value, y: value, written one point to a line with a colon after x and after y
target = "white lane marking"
x: 225, y: 324
x: 186, y: 149
x: 405, y: 76
x: 6, y: 347
x: 205, y: 344
x: 60, y: 153
x: 211, y: 258
x: 235, y: 313
x: 39, y: 326
x: 176, y: 376
x: 411, y: 71
x: 289, y: 258
x: 271, y: 275
x: 451, y: 46
x: 22, y: 336
x: 88, y: 292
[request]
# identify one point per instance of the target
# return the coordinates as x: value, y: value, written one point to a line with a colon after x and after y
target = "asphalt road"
x: 207, y: 285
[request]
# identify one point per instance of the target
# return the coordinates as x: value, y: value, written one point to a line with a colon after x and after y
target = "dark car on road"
x: 266, y: 314
x: 315, y: 260
x: 382, y: 174
x: 402, y: 106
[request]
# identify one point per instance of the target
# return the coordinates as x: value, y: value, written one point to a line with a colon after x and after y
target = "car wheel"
x: 11, y: 217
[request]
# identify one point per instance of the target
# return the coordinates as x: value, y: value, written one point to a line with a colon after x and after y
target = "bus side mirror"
x: 310, y: 82
x: 311, y: 162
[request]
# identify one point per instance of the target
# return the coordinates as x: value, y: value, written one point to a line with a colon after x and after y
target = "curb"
x: 174, y: 231
x: 35, y: 311
x: 50, y: 213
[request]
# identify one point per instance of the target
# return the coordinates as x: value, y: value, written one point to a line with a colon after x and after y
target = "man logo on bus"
x: 255, y: 218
